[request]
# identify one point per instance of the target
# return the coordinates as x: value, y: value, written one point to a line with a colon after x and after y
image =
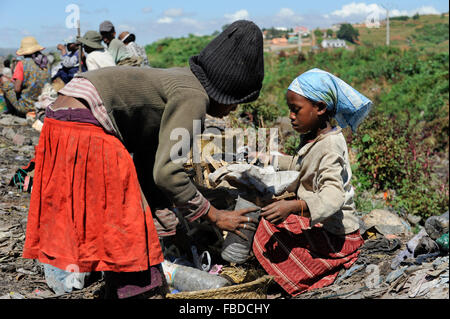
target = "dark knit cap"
x: 231, y: 66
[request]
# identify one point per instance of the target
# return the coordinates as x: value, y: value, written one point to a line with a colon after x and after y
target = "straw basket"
x: 251, y: 290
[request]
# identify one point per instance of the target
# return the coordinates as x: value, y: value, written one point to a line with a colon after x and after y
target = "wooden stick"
x: 79, y: 46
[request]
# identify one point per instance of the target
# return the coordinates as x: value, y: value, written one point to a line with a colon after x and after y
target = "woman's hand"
x: 232, y: 220
x: 278, y: 211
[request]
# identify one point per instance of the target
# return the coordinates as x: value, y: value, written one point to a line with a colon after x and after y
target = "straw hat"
x: 29, y: 45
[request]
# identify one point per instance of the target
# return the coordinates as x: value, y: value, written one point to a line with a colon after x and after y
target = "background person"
x: 136, y: 50
x: 97, y: 56
x: 116, y: 48
x: 29, y: 77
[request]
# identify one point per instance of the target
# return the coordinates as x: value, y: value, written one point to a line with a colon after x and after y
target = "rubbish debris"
x: 184, y: 278
x: 61, y: 281
x: 443, y: 242
x: 436, y: 226
x: 265, y: 180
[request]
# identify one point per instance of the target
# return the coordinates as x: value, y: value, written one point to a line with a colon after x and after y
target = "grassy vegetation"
x: 399, y: 148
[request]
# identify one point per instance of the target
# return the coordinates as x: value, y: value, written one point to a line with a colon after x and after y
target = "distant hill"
x: 429, y: 32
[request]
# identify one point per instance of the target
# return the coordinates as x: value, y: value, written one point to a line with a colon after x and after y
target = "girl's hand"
x: 278, y: 211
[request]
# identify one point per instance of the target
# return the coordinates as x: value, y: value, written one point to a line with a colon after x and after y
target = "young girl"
x: 305, y: 242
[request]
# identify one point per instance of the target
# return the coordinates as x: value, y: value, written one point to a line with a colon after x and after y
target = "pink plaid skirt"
x: 302, y: 258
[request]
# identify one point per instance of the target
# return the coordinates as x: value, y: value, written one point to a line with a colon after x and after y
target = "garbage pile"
x: 400, y: 257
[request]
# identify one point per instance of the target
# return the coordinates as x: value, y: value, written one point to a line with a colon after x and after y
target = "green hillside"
x: 429, y: 32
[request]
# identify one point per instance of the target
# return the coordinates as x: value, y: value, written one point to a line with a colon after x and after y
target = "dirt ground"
x: 24, y: 279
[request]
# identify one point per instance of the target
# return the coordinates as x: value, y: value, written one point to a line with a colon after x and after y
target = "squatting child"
x: 305, y: 242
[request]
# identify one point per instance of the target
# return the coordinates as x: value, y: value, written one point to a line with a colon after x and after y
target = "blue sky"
x: 151, y: 20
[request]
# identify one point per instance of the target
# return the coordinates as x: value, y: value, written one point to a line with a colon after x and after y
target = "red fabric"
x: 302, y: 259
x: 86, y: 207
x: 18, y: 71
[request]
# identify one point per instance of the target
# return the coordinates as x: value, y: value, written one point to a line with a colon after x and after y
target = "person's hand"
x: 232, y: 221
x: 278, y: 211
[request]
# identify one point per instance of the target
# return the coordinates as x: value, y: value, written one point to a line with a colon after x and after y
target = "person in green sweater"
x: 117, y: 48
x: 94, y: 205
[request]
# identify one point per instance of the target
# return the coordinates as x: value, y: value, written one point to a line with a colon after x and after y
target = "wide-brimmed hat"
x: 231, y: 66
x: 29, y: 45
x: 92, y: 39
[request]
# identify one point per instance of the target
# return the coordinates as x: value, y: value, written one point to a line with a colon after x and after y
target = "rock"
x: 413, y: 219
x: 18, y: 139
x: 384, y: 222
x: 9, y: 133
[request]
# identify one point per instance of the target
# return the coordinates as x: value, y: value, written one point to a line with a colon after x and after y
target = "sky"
x: 51, y: 22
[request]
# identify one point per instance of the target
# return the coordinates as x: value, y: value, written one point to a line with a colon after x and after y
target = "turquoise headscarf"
x: 350, y: 106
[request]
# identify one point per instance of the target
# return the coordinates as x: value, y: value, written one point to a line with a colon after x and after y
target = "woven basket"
x: 251, y: 290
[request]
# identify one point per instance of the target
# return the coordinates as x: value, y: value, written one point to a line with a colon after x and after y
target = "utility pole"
x: 79, y: 46
x: 299, y: 41
x: 388, y: 36
x: 387, y: 27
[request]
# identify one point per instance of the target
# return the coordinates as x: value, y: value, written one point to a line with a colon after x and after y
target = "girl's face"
x: 304, y: 115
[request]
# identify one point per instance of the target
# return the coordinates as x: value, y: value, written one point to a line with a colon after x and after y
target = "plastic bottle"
x: 235, y: 249
x: 184, y: 278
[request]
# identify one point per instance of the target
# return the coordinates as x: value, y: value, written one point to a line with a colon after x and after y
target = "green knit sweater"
x: 145, y: 105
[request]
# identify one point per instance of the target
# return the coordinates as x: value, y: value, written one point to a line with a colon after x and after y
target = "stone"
x: 385, y: 222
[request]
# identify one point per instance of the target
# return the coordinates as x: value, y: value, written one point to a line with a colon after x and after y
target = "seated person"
x: 136, y: 50
x: 97, y: 56
x: 70, y: 61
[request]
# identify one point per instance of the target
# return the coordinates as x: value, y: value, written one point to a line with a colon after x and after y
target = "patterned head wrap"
x: 350, y: 106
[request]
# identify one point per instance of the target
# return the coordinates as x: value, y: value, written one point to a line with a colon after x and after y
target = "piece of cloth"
x: 302, y: 258
x: 126, y: 285
x: 40, y: 59
x: 118, y: 50
x: 349, y: 106
x: 138, y: 51
x: 72, y: 115
x: 34, y: 80
x: 325, y: 181
x: 7, y: 72
x: 70, y: 59
x: 83, y: 89
x: 86, y: 207
x: 18, y: 71
x: 99, y: 59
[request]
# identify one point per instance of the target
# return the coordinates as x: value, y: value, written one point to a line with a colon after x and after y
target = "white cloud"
x: 173, y: 12
x: 354, y: 8
x: 147, y: 9
x: 362, y: 9
x: 165, y: 20
x: 238, y: 15
x: 285, y: 12
x: 191, y: 22
x: 425, y: 10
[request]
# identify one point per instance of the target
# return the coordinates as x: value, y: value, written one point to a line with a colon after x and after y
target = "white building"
x: 333, y: 43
